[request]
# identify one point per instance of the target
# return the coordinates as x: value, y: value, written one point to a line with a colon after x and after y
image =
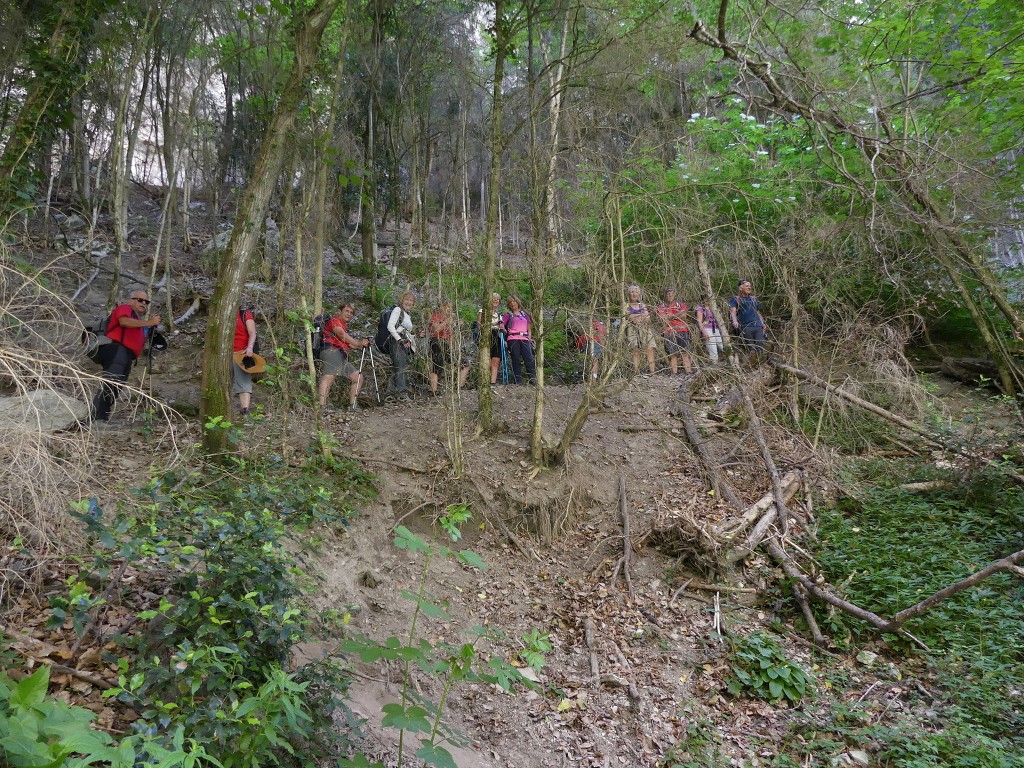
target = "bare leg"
x: 433, y: 383
x: 495, y: 362
x: 325, y: 387
x: 244, y: 398
x: 650, y: 359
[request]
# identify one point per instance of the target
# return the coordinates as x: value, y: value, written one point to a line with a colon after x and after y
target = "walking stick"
x: 504, y: 358
x: 362, y: 360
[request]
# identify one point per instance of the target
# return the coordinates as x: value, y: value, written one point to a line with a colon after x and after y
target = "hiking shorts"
x: 241, y: 380
x: 676, y: 342
x: 641, y: 336
x: 334, y: 362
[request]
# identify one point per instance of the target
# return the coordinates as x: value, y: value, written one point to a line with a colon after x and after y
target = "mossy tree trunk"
x: 252, y: 208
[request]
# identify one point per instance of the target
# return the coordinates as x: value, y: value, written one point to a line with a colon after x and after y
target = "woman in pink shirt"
x: 520, y: 344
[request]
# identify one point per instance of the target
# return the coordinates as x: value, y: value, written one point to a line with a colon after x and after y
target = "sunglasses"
x: 144, y: 301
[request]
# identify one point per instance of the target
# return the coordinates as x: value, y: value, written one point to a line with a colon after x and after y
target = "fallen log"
x: 755, y: 382
x: 681, y: 409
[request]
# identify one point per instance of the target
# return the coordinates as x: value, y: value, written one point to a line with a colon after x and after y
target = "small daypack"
x: 241, y: 316
x: 383, y: 334
x: 316, y: 334
x: 94, y: 338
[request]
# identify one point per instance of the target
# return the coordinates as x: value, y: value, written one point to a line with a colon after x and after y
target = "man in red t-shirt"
x: 127, y: 338
x: 334, y: 357
x: 245, y: 341
x: 675, y: 331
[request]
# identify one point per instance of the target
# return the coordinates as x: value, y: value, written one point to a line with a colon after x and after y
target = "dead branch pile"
x: 774, y: 522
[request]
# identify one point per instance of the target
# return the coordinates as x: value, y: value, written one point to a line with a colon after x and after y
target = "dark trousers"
x: 399, y: 361
x: 117, y: 361
x: 753, y: 338
x: 521, y: 351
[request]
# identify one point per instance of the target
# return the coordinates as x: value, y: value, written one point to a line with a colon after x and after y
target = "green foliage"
x: 39, y: 731
x: 760, y: 668
x: 450, y: 663
x: 210, y: 663
x: 700, y: 747
x: 891, y: 549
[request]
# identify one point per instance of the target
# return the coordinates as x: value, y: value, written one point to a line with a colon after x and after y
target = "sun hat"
x: 250, y: 363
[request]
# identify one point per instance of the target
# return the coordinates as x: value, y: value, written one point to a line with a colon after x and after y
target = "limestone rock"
x: 43, y: 409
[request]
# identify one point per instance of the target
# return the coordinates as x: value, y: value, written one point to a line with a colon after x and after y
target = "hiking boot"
x: 389, y: 399
x: 404, y: 398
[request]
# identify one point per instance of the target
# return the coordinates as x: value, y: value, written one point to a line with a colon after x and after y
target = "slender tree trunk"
x: 249, y: 222
x: 502, y: 40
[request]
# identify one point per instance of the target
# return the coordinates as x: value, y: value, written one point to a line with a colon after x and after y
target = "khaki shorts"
x: 641, y: 336
x: 334, y: 363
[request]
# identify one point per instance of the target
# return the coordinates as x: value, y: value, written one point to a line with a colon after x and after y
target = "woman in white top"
x: 401, y: 346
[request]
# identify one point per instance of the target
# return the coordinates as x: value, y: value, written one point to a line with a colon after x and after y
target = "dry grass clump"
x: 41, y: 472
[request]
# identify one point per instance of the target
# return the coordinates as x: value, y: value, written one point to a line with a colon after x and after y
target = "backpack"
x: 94, y: 338
x: 316, y: 334
x: 380, y: 340
x: 241, y: 316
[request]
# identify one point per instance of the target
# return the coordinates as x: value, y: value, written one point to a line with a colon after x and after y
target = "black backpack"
x: 241, y: 316
x: 316, y: 334
x: 383, y: 334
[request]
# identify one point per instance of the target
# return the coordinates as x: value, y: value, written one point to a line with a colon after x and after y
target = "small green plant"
x: 37, y: 730
x: 760, y: 668
x: 413, y: 716
x: 700, y: 747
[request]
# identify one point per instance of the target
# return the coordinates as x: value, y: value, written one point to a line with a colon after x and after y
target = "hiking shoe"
x: 354, y: 407
x: 404, y: 398
x: 389, y: 398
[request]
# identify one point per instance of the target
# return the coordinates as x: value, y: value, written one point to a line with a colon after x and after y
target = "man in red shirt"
x: 245, y: 341
x: 334, y: 357
x: 675, y: 331
x: 127, y: 338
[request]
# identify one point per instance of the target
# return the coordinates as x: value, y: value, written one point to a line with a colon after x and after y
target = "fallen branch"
x: 681, y: 409
x: 894, y: 418
x: 634, y: 692
x: 930, y: 485
x: 192, y: 309
x: 769, y: 462
x: 588, y: 635
x: 627, y: 544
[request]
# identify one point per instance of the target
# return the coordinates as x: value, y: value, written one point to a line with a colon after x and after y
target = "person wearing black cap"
x: 745, y: 313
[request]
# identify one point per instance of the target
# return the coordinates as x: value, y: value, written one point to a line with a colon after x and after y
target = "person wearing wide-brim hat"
x: 254, y: 363
x: 245, y: 359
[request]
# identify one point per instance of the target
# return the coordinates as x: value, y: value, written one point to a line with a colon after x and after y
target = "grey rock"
x: 43, y: 410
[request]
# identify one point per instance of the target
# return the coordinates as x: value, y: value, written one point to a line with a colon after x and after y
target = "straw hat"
x: 250, y: 363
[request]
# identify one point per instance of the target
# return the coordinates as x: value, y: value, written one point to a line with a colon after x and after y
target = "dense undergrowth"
x: 890, y: 548
x: 204, y: 667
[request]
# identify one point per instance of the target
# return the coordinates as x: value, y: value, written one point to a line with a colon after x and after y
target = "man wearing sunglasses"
x: 125, y: 331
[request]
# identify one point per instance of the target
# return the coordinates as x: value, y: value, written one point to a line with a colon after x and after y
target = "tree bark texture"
x: 249, y: 223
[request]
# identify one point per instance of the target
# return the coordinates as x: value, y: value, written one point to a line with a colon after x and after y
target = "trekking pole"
x: 373, y: 367
x: 504, y: 358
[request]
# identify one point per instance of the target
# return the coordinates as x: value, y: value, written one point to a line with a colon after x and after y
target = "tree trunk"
x: 502, y: 32
x: 249, y: 223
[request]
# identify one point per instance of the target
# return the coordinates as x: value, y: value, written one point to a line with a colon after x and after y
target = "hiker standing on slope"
x: 127, y: 338
x: 497, y: 334
x: 401, y: 346
x: 745, y: 313
x: 244, y: 362
x: 337, y: 343
x: 675, y: 333
x: 520, y: 344
x: 639, y: 333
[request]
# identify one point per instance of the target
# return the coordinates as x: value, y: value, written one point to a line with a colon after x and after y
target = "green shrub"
x: 760, y: 668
